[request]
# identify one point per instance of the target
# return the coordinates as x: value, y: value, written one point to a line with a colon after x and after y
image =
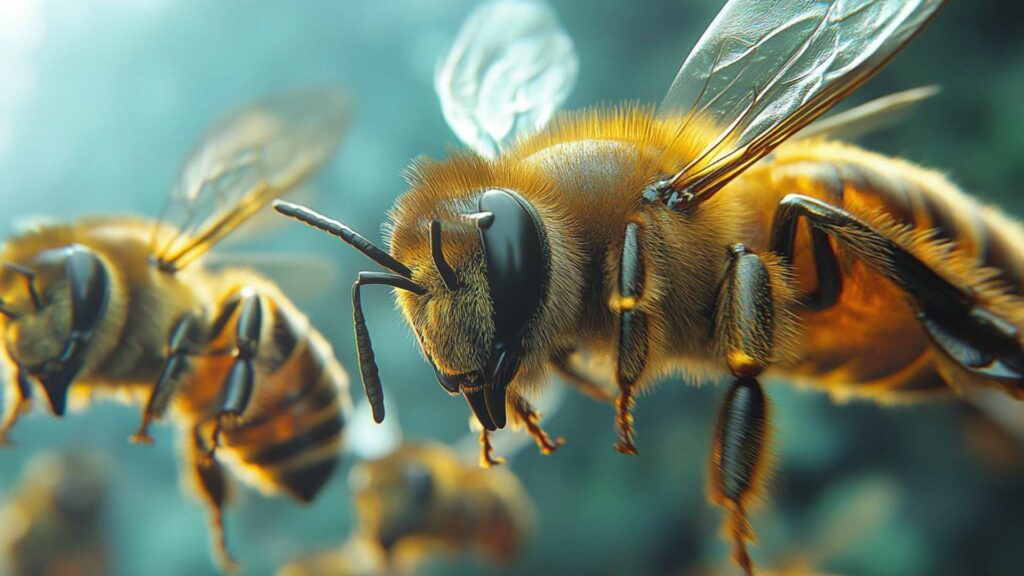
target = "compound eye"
x: 516, y: 253
x: 87, y: 279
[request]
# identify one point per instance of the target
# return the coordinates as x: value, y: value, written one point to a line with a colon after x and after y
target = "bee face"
x: 473, y: 321
x: 61, y: 302
x: 455, y: 328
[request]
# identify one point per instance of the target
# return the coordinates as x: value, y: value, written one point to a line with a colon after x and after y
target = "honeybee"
x: 700, y: 237
x: 423, y: 500
x: 55, y: 521
x: 121, y: 305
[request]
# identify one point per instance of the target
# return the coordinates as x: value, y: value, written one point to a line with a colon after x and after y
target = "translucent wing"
x: 764, y: 70
x: 247, y: 159
x: 869, y: 117
x: 511, y: 67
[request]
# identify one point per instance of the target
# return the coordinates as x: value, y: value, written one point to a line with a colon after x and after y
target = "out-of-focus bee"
x: 698, y: 237
x: 112, y: 304
x: 420, y: 501
x: 54, y: 523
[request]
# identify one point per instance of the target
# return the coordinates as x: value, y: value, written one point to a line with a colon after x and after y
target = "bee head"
x: 473, y: 313
x: 53, y: 303
x: 478, y: 313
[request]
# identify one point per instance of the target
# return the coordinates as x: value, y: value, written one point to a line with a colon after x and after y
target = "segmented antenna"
x: 451, y: 281
x: 364, y: 347
x: 344, y: 233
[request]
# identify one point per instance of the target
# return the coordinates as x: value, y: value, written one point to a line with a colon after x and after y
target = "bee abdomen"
x: 930, y: 203
x: 293, y: 440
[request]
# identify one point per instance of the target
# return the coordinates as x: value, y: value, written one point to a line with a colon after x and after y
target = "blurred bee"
x: 54, y: 523
x: 697, y: 238
x: 111, y: 304
x: 423, y: 500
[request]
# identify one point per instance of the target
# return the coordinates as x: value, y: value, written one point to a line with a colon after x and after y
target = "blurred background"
x: 101, y: 101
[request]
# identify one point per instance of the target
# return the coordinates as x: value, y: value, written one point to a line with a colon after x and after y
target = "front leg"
x: 631, y: 360
x: 17, y: 403
x: 212, y: 485
x: 524, y: 416
x: 746, y: 327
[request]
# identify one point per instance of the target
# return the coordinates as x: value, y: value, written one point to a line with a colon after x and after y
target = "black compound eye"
x: 516, y: 252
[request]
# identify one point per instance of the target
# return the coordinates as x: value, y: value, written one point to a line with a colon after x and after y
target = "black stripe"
x: 942, y: 218
x: 832, y: 179
x: 305, y: 482
x: 306, y: 440
x: 998, y: 254
x: 891, y: 190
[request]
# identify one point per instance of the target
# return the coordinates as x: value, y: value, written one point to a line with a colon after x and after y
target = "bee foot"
x: 141, y: 437
x: 626, y: 446
x: 487, y: 458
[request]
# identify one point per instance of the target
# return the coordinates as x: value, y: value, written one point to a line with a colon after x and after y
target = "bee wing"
x: 869, y: 117
x: 761, y: 73
x: 511, y: 67
x: 247, y: 159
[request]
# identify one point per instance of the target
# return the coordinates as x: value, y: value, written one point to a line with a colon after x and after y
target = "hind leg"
x: 963, y: 328
x: 209, y: 478
x: 244, y: 311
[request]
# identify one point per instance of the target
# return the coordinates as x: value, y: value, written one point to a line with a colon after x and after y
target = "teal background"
x: 100, y: 102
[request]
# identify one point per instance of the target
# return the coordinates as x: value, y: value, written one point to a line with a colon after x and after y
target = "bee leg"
x: 15, y: 407
x: 559, y: 361
x: 240, y: 382
x: 487, y: 458
x: 979, y: 341
x: 738, y: 462
x: 180, y: 346
x: 632, y: 353
x: 826, y: 265
x: 213, y: 487
x: 530, y: 419
x: 745, y: 324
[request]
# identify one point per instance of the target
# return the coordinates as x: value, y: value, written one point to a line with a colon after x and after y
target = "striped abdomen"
x: 291, y: 437
x: 870, y: 342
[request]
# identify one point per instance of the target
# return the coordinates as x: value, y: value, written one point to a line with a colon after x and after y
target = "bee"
x: 702, y: 237
x: 55, y: 521
x: 423, y: 500
x: 116, y: 304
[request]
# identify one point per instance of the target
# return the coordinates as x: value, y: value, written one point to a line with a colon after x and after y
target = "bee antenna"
x: 364, y: 347
x: 451, y: 281
x: 344, y: 233
x: 30, y: 280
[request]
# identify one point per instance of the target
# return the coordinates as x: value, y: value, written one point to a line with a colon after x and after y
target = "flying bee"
x: 697, y: 238
x: 120, y: 304
x: 55, y: 520
x: 423, y: 500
